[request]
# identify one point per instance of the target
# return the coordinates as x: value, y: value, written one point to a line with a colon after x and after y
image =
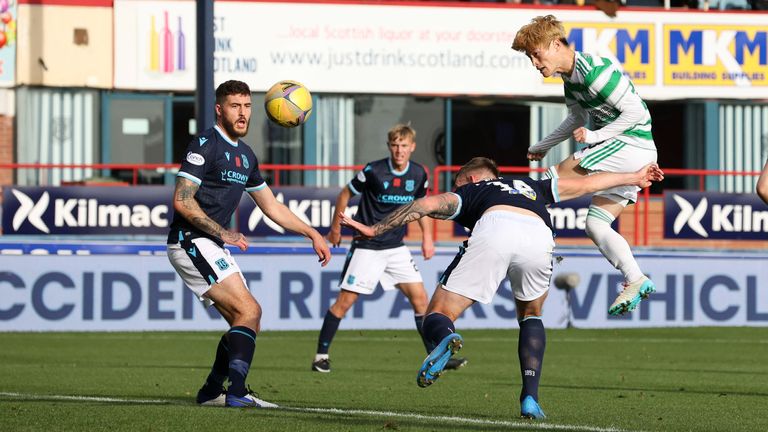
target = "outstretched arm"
x: 440, y: 206
x: 573, y: 187
x: 284, y: 217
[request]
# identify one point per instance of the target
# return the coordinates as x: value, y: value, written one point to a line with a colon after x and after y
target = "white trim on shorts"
x: 217, y: 258
x: 617, y: 157
x: 503, y: 244
x: 365, y: 268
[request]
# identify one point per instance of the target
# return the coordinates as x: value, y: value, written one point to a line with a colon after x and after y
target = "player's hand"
x: 649, y: 173
x: 334, y: 235
x: 235, y: 239
x: 427, y: 250
x: 364, y: 230
x: 321, y: 248
x: 580, y: 134
x: 534, y: 156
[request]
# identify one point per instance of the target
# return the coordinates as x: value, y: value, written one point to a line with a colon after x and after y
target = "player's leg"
x: 568, y: 168
x: 606, y: 206
x: 333, y: 317
x: 529, y: 273
x: 243, y: 313
x: 444, y: 308
x: 360, y: 275
x: 204, y: 266
x: 531, y: 344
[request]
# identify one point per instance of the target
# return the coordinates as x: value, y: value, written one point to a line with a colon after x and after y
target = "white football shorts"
x: 365, y: 268
x: 503, y: 244
x: 617, y: 157
x: 201, y: 263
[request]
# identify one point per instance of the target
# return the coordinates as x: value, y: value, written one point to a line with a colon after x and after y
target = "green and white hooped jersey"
x: 599, y: 88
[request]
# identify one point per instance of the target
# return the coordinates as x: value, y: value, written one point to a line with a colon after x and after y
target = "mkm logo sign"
x: 715, y: 55
x: 630, y: 45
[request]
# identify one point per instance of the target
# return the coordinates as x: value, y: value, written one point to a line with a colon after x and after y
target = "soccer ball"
x: 288, y: 103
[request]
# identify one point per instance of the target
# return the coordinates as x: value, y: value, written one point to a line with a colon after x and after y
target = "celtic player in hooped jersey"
x: 620, y: 140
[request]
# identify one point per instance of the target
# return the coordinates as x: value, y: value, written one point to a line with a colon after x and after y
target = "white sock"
x: 612, y: 244
x: 550, y: 173
x: 319, y: 357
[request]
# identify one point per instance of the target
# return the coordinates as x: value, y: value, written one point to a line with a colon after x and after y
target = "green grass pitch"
x: 686, y: 379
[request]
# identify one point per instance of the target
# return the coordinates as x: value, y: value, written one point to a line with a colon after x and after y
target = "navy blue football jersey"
x: 533, y: 195
x: 223, y: 169
x: 383, y: 190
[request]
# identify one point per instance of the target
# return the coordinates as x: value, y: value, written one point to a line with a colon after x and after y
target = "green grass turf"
x: 691, y: 379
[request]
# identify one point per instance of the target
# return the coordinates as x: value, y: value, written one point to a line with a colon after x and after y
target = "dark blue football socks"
x: 436, y: 327
x: 530, y: 350
x: 327, y: 332
x: 242, y: 343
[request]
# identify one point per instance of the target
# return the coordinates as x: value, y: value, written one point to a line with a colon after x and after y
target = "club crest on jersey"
x: 386, y: 185
x: 227, y: 155
x: 245, y: 162
x: 410, y: 185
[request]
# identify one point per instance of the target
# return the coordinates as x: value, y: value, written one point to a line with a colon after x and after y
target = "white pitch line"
x: 527, y: 425
x: 84, y: 398
x: 337, y: 411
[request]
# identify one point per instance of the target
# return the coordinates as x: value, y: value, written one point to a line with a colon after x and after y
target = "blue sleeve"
x: 196, y: 161
x: 549, y: 189
x: 357, y: 184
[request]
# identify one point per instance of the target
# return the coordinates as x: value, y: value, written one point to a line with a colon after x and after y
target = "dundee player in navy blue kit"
x: 511, y: 236
x: 216, y: 171
x: 384, y: 185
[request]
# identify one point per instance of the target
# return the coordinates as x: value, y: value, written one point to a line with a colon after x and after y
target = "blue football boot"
x: 530, y: 409
x: 435, y: 362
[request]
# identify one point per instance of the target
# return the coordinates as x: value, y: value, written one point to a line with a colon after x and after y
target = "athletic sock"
x: 530, y: 349
x: 429, y: 346
x: 242, y: 342
x: 436, y: 327
x: 612, y: 244
x: 214, y: 384
x: 327, y: 332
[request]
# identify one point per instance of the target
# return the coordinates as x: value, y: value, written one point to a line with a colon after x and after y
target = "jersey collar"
x: 223, y: 135
x: 398, y: 173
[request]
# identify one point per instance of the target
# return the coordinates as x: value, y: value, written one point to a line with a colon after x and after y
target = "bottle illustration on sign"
x: 154, y: 48
x: 167, y: 46
x: 181, y: 48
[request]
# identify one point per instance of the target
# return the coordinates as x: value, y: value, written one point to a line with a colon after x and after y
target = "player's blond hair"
x: 401, y: 130
x: 540, y: 32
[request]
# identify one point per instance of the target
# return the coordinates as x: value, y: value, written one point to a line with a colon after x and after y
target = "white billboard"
x: 143, y: 292
x: 437, y: 49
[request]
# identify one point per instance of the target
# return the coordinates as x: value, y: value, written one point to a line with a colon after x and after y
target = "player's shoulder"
x: 418, y: 168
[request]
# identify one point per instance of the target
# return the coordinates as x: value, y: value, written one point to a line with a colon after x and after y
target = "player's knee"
x: 598, y: 221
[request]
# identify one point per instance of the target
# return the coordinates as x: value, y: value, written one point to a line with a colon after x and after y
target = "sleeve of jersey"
x: 195, y: 163
x: 458, y: 207
x: 255, y: 181
x: 424, y: 188
x: 551, y: 193
x: 613, y: 88
x: 576, y: 118
x: 357, y: 184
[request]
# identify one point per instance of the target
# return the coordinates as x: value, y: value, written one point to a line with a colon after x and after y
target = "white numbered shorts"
x: 503, y: 244
x: 365, y: 268
x: 618, y: 157
x: 201, y: 263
